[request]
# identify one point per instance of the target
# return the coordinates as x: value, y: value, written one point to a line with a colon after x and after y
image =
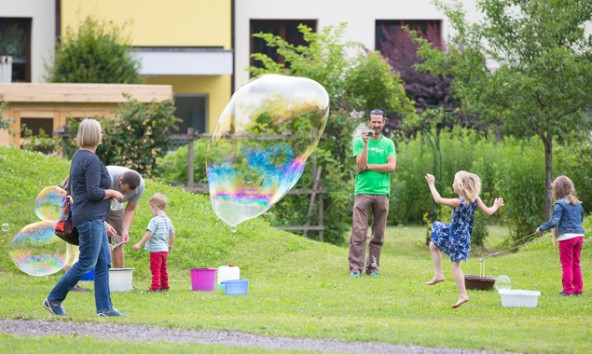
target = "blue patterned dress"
x: 454, y: 239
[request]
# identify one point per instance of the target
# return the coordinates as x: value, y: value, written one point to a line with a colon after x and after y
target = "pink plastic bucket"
x: 203, y: 279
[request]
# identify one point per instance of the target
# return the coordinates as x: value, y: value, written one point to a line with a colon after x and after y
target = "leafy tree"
x: 542, y: 59
x: 431, y: 94
x: 371, y: 83
x: 138, y: 138
x: 96, y: 53
x: 354, y: 82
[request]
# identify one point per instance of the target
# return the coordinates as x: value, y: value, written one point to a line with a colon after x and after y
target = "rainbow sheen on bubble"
x: 260, y: 144
x: 502, y: 282
x: 49, y: 203
x: 37, y: 251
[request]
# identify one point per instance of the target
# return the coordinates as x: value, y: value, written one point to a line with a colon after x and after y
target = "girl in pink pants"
x: 568, y: 216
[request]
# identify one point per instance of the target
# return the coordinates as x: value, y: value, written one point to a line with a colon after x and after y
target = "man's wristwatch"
x: 366, y: 167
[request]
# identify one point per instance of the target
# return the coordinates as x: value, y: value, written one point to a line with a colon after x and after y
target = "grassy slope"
x: 301, y: 288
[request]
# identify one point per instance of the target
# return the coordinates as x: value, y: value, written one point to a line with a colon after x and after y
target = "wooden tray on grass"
x: 475, y: 282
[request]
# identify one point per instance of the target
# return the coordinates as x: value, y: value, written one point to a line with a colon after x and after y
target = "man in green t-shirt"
x: 375, y: 160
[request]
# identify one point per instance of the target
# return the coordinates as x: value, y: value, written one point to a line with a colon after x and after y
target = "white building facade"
x: 364, y: 20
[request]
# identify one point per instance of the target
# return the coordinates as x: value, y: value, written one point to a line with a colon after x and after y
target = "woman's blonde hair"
x: 158, y: 200
x: 469, y: 184
x: 89, y: 133
x: 563, y: 187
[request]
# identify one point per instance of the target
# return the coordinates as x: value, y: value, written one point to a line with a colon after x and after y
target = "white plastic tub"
x: 519, y: 298
x: 120, y: 279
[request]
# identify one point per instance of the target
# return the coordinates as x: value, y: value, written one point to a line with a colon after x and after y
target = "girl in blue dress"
x: 454, y: 239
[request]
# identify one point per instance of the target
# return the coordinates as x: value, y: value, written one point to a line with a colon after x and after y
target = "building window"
x: 15, y: 41
x: 36, y: 125
x: 192, y: 109
x: 384, y: 29
x: 286, y: 29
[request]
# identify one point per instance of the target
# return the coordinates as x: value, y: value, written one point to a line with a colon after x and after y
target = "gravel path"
x: 141, y: 333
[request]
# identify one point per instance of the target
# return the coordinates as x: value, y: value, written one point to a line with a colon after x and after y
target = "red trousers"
x: 569, y: 255
x: 158, y: 268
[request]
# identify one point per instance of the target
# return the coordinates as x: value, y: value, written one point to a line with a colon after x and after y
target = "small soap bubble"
x: 503, y: 282
x: 233, y: 229
x: 5, y: 227
x: 36, y: 250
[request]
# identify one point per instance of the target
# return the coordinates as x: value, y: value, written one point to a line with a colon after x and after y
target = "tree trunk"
x: 548, y: 143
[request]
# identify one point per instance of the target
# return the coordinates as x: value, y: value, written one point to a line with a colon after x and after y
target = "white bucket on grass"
x: 120, y: 279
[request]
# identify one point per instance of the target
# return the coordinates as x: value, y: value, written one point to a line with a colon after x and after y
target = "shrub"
x: 40, y: 143
x: 139, y: 137
x: 174, y: 165
x: 510, y: 169
x: 96, y: 53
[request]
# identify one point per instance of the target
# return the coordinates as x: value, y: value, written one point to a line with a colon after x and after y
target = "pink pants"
x: 158, y: 267
x: 569, y: 255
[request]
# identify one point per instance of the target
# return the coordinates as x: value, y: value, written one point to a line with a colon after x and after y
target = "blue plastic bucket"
x: 236, y: 287
x: 89, y: 276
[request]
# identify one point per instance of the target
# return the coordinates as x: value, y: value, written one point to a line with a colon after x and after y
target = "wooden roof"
x: 82, y: 93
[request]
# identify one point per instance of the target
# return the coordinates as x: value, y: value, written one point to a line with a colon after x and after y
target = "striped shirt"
x: 161, y: 227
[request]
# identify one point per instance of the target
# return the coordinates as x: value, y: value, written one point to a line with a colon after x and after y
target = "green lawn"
x: 298, y: 287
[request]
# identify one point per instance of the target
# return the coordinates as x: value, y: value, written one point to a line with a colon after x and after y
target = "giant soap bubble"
x: 36, y: 250
x: 261, y: 142
x: 49, y: 203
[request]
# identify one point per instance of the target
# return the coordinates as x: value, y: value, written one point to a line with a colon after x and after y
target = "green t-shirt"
x: 372, y: 182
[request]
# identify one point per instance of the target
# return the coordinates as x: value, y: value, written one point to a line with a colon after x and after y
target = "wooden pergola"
x: 52, y: 104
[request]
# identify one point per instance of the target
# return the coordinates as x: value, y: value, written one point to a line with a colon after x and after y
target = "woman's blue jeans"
x: 94, y: 253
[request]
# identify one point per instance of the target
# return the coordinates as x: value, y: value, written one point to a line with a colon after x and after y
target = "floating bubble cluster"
x: 36, y: 250
x: 261, y: 142
x: 49, y: 203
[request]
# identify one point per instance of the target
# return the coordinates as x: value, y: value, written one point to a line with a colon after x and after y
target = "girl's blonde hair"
x: 469, y: 184
x: 158, y: 200
x: 563, y: 187
x: 89, y: 133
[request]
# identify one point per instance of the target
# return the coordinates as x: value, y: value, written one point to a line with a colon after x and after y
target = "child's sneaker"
x: 355, y: 274
x: 57, y: 310
x: 112, y: 313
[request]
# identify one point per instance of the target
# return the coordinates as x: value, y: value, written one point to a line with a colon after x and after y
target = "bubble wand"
x: 482, y: 259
